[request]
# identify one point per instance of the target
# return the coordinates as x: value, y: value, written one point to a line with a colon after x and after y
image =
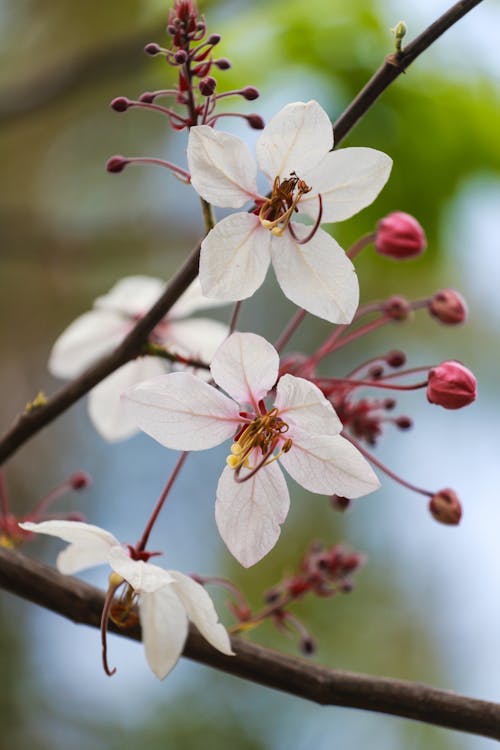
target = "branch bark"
x: 28, y: 424
x: 82, y: 603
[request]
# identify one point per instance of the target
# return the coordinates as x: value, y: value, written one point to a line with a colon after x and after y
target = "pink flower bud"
x: 80, y: 480
x: 222, y: 63
x: 120, y: 104
x: 451, y: 385
x: 207, y: 86
x: 395, y: 358
x: 152, y: 49
x: 397, y: 307
x: 116, y: 164
x: 448, y: 306
x: 445, y: 507
x: 250, y: 93
x: 400, y: 236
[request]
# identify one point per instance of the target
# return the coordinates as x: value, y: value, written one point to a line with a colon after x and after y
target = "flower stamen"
x: 277, y: 210
x: 264, y: 433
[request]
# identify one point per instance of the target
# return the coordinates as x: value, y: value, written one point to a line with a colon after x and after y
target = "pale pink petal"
x: 234, y: 257
x: 164, y: 626
x: 249, y: 514
x: 90, y: 336
x: 132, y: 296
x: 296, y: 139
x: 182, y: 412
x: 105, y: 406
x: 246, y: 367
x: 142, y: 576
x: 317, y: 276
x: 197, y: 338
x: 88, y: 545
x: 301, y: 404
x: 200, y: 610
x: 222, y: 168
x: 329, y: 465
x: 348, y: 180
x: 191, y: 301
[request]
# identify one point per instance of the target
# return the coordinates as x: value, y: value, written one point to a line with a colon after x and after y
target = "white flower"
x: 166, y: 598
x: 301, y: 429
x: 100, y: 330
x: 294, y: 152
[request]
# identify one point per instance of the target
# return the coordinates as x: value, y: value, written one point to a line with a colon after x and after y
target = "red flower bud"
x: 120, y: 104
x: 255, y: 121
x: 116, y: 164
x: 397, y: 307
x: 400, y: 236
x: 207, y: 86
x: 451, y: 385
x: 448, y: 306
x: 80, y: 480
x: 445, y: 507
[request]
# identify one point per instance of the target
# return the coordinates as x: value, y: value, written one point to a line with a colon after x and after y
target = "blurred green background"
x: 427, y: 605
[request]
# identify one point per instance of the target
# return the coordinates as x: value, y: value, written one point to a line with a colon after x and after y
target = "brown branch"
x: 28, y: 424
x: 82, y: 603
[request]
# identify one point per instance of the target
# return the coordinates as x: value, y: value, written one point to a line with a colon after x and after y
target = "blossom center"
x: 276, y: 212
x: 263, y: 434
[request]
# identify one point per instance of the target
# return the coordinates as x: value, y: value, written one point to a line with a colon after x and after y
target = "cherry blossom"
x: 98, y: 331
x: 306, y: 177
x: 301, y: 429
x: 167, y: 599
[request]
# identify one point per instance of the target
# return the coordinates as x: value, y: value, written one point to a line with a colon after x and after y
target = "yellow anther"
x: 236, y: 449
x: 232, y: 461
x: 115, y: 580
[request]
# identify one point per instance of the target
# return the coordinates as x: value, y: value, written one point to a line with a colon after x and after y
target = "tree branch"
x: 28, y: 424
x: 82, y: 603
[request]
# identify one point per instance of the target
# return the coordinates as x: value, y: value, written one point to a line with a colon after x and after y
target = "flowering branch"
x: 82, y: 603
x: 30, y: 422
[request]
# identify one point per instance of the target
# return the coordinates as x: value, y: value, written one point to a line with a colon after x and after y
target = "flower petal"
x: 164, y: 629
x: 200, y: 610
x: 317, y: 276
x: 105, y: 406
x: 249, y: 514
x: 234, y: 257
x: 142, y: 576
x: 88, y: 545
x: 348, y: 180
x: 222, y: 168
x: 301, y: 404
x: 131, y: 296
x: 197, y: 337
x: 329, y: 465
x: 246, y: 367
x: 296, y: 139
x: 182, y: 412
x: 89, y: 337
x: 191, y: 301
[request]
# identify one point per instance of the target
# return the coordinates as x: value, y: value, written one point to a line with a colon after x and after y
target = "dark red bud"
x: 307, y: 645
x: 80, y: 480
x: 400, y: 236
x: 451, y: 385
x: 180, y: 57
x: 222, y: 63
x: 214, y: 39
x: 397, y: 308
x: 250, y: 93
x: 207, y: 86
x: 152, y: 49
x: 116, y: 164
x: 445, y: 507
x: 120, y: 104
x: 449, y: 307
x: 340, y: 503
x: 389, y: 404
x: 255, y: 121
x: 395, y: 358
x: 404, y: 423
x: 148, y: 97
x: 376, y: 371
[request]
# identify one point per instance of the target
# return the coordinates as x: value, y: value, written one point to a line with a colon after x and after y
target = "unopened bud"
x: 448, y: 306
x: 148, y: 97
x: 255, y: 121
x: 80, y: 480
x: 214, y: 39
x: 389, y: 404
x: 120, y: 104
x: 250, y: 93
x: 395, y: 358
x: 397, y: 308
x: 307, y: 645
x: 340, y: 503
x: 445, y: 507
x: 152, y: 49
x: 375, y: 372
x: 400, y: 236
x: 451, y: 385
x: 116, y: 164
x: 403, y: 423
x: 180, y: 57
x: 207, y: 86
x: 222, y: 63
x: 399, y: 32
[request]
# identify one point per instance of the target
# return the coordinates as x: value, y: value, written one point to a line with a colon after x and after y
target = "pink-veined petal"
x: 89, y: 337
x: 223, y: 170
x: 105, y: 406
x: 301, y: 404
x: 348, y: 180
x: 131, y: 296
x: 235, y: 257
x: 246, y: 367
x: 88, y: 545
x: 182, y: 412
x: 317, y: 276
x: 144, y: 577
x: 196, y: 337
x: 164, y: 626
x: 191, y: 301
x: 296, y: 139
x: 329, y: 465
x: 249, y: 515
x: 200, y: 610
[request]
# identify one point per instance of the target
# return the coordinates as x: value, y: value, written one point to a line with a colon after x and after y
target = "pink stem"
x: 290, y: 329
